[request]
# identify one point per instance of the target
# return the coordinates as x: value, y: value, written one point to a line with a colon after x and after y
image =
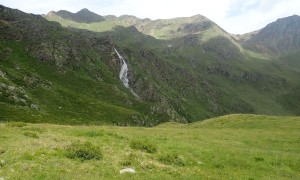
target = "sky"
x: 235, y: 16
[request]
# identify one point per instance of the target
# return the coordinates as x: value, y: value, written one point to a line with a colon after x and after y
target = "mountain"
x: 182, y: 69
x: 161, y: 28
x: 51, y: 74
x: 280, y: 37
x: 82, y: 16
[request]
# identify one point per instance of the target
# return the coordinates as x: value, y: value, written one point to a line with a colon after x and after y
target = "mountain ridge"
x: 194, y: 25
x: 279, y: 37
x: 82, y: 16
x: 196, y: 16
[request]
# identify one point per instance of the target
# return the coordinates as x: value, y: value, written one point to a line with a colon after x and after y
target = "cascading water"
x: 123, y: 73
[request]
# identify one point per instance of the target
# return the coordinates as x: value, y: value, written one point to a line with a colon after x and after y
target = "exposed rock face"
x: 49, y: 42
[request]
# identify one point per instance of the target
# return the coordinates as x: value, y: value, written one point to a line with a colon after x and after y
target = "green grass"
x: 228, y: 147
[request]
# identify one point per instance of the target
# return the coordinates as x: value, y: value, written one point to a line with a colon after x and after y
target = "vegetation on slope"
x: 67, y: 75
x: 51, y: 74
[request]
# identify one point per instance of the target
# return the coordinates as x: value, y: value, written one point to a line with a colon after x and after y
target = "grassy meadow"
x: 228, y: 147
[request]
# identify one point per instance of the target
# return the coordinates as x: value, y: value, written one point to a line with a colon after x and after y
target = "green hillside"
x: 229, y: 147
x: 53, y: 74
x: 50, y: 74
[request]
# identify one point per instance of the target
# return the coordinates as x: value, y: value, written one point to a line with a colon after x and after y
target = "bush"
x: 83, y: 151
x: 144, y: 145
x: 126, y: 163
x: 129, y: 160
x: 172, y: 158
x: 31, y: 134
x: 258, y: 159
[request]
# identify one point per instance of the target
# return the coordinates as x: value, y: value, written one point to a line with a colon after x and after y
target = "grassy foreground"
x: 234, y: 146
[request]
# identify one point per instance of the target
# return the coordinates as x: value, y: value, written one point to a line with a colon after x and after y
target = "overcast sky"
x: 235, y: 16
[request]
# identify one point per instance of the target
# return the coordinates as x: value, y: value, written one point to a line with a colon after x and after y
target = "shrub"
x: 129, y: 160
x: 31, y: 134
x: 144, y: 145
x: 172, y: 158
x: 16, y: 124
x: 258, y: 159
x: 126, y: 162
x: 83, y: 151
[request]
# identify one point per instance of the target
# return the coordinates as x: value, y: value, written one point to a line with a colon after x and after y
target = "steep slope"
x: 201, y: 82
x: 51, y: 74
x: 277, y: 38
x: 200, y: 72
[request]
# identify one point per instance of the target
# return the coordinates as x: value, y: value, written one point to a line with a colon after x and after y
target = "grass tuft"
x: 129, y: 160
x: 144, y: 145
x: 258, y: 159
x: 172, y: 159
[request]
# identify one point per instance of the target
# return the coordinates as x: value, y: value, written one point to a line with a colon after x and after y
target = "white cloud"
x: 235, y: 16
x: 265, y: 11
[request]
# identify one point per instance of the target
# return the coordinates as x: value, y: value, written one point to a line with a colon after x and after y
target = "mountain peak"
x: 198, y: 17
x: 288, y: 19
x: 281, y: 36
x: 84, y: 10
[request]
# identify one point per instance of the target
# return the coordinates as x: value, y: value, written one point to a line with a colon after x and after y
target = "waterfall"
x: 124, y: 72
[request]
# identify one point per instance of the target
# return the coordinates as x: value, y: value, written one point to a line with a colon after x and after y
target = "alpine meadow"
x: 85, y: 96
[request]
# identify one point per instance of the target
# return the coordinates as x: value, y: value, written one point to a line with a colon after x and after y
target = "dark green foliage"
x: 258, y: 159
x: 83, y: 151
x: 144, y: 145
x: 172, y: 159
